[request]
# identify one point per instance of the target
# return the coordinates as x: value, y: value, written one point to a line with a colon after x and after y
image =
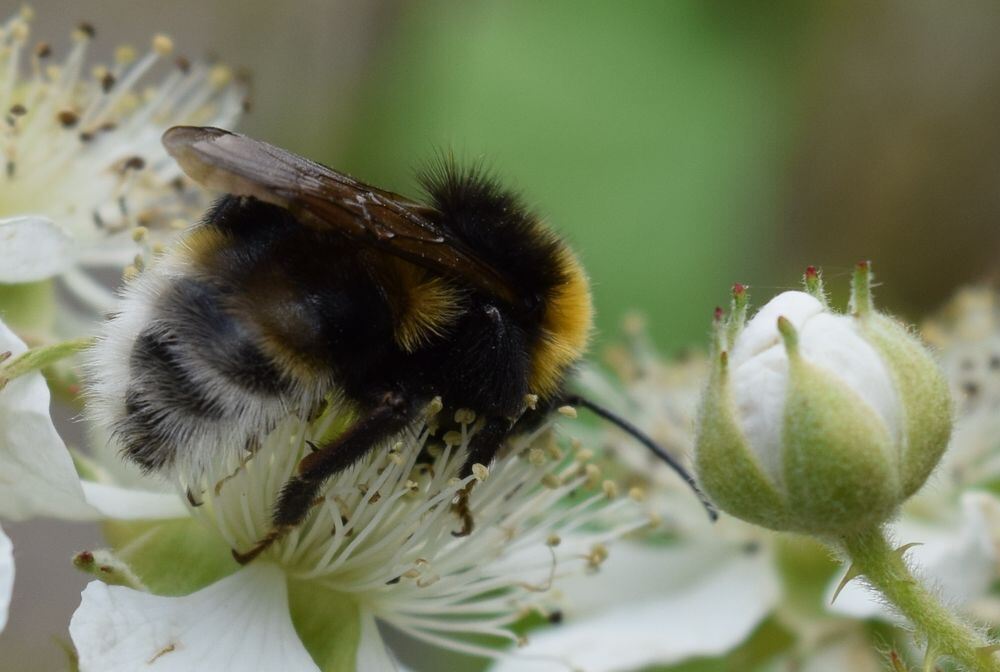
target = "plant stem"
x: 946, y: 635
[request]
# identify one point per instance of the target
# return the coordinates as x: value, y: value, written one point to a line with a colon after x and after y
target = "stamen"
x: 67, y: 135
x: 382, y: 531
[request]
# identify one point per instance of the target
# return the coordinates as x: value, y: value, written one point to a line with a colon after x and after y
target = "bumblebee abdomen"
x: 194, y: 369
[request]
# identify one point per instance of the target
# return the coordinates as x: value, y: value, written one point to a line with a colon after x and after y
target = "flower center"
x: 382, y: 531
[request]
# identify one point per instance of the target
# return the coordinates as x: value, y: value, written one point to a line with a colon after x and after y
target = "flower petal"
x: 37, y: 476
x: 238, y: 623
x: 957, y: 556
x: 706, y: 610
x: 761, y: 332
x: 113, y: 501
x: 6, y: 577
x: 31, y: 248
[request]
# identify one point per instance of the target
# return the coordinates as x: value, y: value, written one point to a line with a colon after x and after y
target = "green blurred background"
x: 680, y: 145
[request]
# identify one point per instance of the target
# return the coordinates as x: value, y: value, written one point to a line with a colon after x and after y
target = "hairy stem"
x: 39, y: 358
x: 945, y: 634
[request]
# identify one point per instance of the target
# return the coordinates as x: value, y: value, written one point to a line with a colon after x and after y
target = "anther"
x: 68, y: 118
x: 125, y: 54
x: 434, y: 407
x: 163, y: 45
x: 107, y: 81
x: 593, y: 473
x: 598, y: 554
x: 465, y: 416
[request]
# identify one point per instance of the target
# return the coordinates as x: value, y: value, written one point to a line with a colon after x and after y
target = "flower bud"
x: 819, y: 422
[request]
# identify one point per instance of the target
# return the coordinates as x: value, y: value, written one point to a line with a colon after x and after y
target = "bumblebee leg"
x: 482, y: 449
x: 300, y: 493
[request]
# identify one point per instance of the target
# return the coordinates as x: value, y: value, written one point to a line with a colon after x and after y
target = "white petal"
x: 373, y: 654
x: 113, y: 501
x: 6, y: 576
x: 759, y: 391
x: 760, y: 375
x: 761, y: 332
x: 37, y: 476
x: 666, y: 611
x: 31, y: 248
x: 240, y: 623
x: 832, y: 342
x: 957, y: 557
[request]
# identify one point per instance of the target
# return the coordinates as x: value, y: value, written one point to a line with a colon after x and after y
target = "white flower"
x: 379, y: 548
x: 37, y: 477
x: 37, y: 474
x: 83, y: 169
x: 817, y: 422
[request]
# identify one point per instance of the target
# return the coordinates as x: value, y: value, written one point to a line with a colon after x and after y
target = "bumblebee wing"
x: 322, y: 197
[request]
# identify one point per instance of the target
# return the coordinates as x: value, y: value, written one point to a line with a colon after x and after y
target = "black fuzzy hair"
x: 494, y: 222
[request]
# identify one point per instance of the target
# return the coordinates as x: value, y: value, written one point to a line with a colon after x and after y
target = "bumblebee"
x: 302, y: 283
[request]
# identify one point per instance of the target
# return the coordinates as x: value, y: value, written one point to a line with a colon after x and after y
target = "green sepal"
x: 328, y: 623
x: 924, y: 395
x: 837, y: 456
x: 171, y: 557
x: 727, y: 469
x: 106, y: 566
x: 40, y: 358
x: 29, y: 308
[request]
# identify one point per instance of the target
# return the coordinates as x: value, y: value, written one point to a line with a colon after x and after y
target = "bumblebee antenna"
x: 646, y: 440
